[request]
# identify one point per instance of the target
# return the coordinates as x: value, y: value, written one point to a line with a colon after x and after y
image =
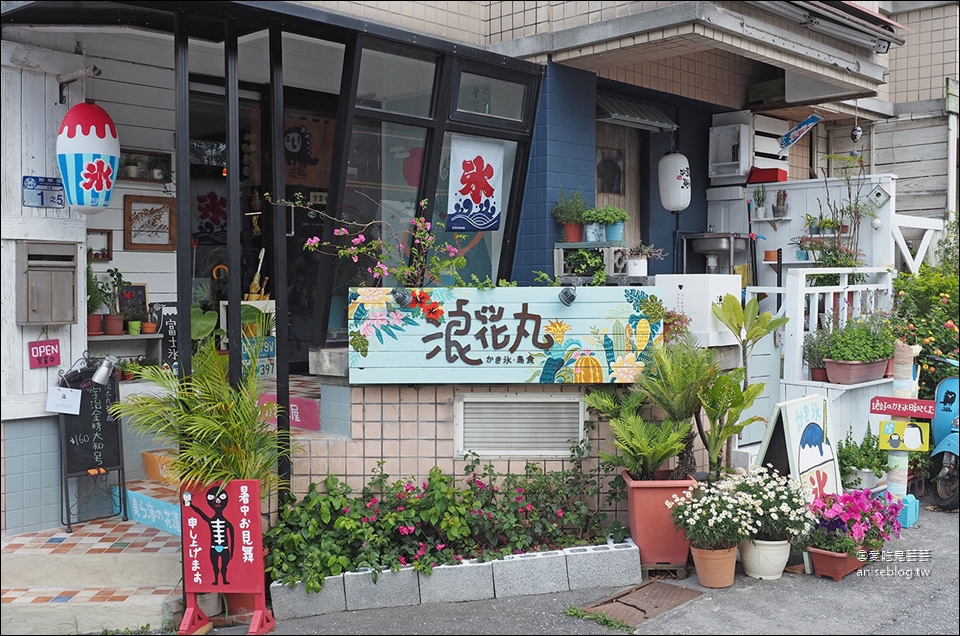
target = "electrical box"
x: 730, y: 151
x: 47, y: 283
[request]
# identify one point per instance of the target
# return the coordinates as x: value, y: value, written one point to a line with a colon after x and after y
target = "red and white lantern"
x: 88, y: 154
x: 674, y: 177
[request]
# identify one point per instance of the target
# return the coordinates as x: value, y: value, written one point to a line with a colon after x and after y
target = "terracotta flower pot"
x: 148, y: 327
x: 651, y: 527
x: 715, y: 568
x: 573, y: 232
x: 844, y: 372
x: 113, y: 324
x: 834, y: 565
x: 94, y: 324
x: 818, y: 374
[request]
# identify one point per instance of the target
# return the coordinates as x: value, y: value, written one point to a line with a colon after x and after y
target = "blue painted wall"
x: 562, y: 153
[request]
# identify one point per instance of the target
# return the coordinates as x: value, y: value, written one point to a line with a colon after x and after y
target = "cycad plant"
x: 223, y: 431
x: 673, y: 381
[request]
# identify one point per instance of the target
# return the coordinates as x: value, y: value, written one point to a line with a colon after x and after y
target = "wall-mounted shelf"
x: 793, y: 263
x: 100, y: 245
x: 125, y: 337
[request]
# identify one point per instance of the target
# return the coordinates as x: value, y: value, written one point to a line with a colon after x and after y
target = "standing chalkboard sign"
x: 91, y: 443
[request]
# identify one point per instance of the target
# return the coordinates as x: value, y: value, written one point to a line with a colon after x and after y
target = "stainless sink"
x: 717, y: 242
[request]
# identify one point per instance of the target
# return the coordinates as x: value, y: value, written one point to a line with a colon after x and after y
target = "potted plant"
x: 96, y: 290
x: 847, y: 528
x: 594, y: 226
x: 638, y: 255
x: 813, y: 345
x: 861, y: 464
x: 586, y: 262
x: 759, y: 199
x: 223, y: 430
x: 150, y: 323
x: 812, y: 223
x: 712, y: 517
x: 779, y: 514
x: 644, y: 446
x: 113, y: 321
x: 568, y: 212
x: 723, y: 402
x: 780, y: 207
x: 613, y: 219
x: 803, y: 244
x: 134, y: 315
x: 857, y: 352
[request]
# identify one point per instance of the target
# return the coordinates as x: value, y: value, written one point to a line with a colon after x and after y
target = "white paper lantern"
x: 88, y: 154
x: 674, y: 173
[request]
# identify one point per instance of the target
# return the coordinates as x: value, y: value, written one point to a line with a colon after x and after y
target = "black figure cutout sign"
x: 223, y: 549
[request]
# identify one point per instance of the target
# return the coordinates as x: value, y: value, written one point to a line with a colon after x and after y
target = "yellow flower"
x: 557, y: 329
x: 626, y: 368
x: 371, y: 298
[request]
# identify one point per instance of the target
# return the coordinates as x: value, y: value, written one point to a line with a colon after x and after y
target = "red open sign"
x: 44, y: 353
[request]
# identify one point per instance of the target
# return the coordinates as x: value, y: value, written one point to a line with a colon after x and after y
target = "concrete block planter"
x: 392, y: 589
x: 468, y: 581
x: 598, y: 565
x: 293, y: 601
x: 530, y: 573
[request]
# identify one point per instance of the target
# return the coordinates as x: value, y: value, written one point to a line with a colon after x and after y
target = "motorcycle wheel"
x: 945, y: 493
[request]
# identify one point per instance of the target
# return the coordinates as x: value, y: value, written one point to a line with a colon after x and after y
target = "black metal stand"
x: 91, y: 486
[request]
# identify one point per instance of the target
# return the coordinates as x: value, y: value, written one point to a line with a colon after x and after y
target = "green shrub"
x: 390, y: 525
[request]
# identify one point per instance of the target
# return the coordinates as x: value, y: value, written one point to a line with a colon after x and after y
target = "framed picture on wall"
x: 609, y: 171
x: 133, y: 295
x: 149, y: 223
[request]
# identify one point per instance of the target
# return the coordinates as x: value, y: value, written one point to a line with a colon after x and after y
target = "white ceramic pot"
x: 764, y: 559
x: 594, y: 232
x: 636, y: 267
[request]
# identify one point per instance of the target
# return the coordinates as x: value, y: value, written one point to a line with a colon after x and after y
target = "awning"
x: 624, y: 111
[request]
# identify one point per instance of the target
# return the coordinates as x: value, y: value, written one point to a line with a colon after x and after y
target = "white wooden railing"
x: 808, y: 306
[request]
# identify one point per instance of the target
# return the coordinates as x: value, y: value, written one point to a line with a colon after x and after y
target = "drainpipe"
x: 953, y: 129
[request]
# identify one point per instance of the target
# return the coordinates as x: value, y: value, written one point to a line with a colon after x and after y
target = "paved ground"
x: 885, y: 600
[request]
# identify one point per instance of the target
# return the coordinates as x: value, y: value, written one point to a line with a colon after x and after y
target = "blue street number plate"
x: 43, y: 192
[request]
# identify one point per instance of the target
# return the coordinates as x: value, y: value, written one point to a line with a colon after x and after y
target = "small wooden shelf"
x: 125, y: 337
x: 794, y: 263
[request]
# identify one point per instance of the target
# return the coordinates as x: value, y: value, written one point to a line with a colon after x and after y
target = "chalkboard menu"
x: 91, y: 442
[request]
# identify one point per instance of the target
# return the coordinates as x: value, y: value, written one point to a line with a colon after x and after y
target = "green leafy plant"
x: 96, y: 291
x: 673, y: 381
x: 223, y: 431
x: 813, y: 346
x: 113, y: 288
x: 599, y: 619
x: 644, y: 446
x: 386, y: 526
x: 606, y: 215
x: 584, y: 261
x: 723, y: 402
x: 676, y: 325
x: 569, y: 209
x: 747, y: 324
x: 865, y: 455
x: 859, y: 341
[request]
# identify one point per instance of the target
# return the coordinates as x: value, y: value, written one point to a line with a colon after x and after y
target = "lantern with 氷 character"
x: 88, y: 154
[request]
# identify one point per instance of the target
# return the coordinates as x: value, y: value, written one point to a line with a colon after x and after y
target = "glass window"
x: 380, y: 196
x: 481, y: 247
x: 395, y: 83
x: 490, y: 96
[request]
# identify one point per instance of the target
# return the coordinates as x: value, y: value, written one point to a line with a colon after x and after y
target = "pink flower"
x: 399, y: 508
x: 396, y: 318
x: 529, y: 507
x: 441, y: 546
x: 358, y: 239
x: 346, y: 511
x: 378, y: 318
x: 340, y: 231
x: 560, y: 512
x: 313, y: 242
x: 372, y: 502
x: 402, y: 560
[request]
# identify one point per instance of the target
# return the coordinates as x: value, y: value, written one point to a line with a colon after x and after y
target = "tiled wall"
x: 567, y: 111
x: 463, y: 21
x: 410, y: 429
x: 918, y: 68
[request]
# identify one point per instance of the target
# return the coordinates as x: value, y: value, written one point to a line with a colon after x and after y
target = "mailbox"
x: 47, y: 283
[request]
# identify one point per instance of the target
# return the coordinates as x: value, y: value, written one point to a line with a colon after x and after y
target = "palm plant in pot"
x: 223, y: 429
x: 644, y: 446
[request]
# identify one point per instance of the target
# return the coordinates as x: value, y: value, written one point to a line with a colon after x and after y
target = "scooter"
x: 944, y: 435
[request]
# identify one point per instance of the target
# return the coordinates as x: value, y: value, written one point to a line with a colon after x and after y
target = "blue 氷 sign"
x: 504, y: 335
